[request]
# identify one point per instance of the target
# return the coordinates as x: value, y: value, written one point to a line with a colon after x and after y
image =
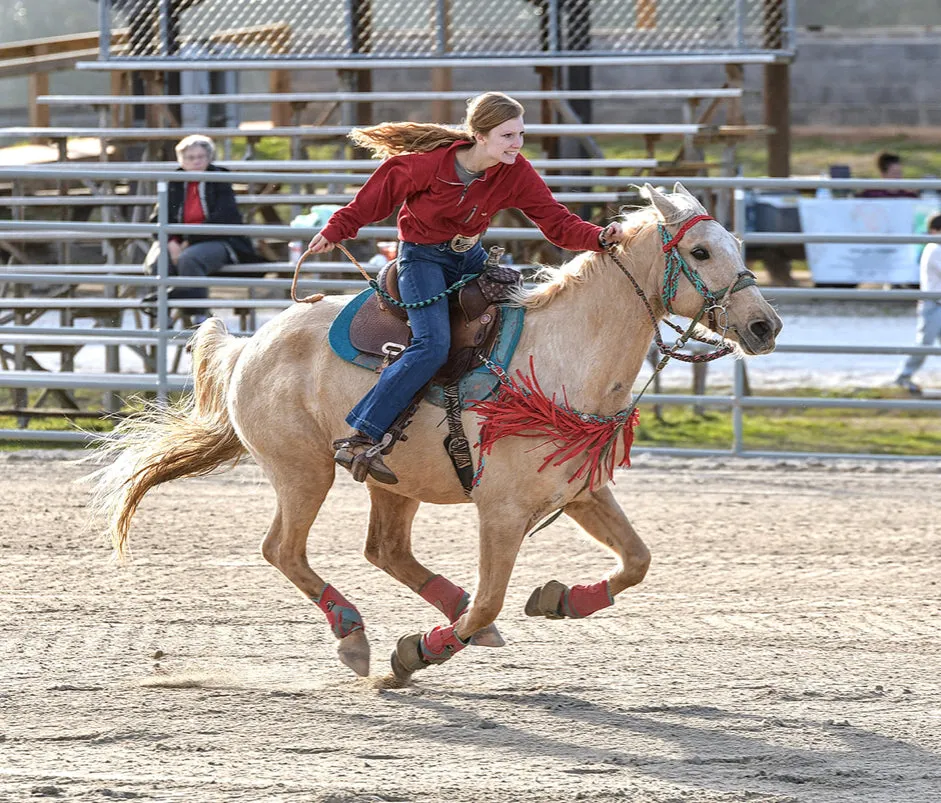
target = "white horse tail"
x: 189, y: 439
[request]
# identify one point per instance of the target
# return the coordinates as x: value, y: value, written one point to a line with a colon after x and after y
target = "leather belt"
x: 459, y: 243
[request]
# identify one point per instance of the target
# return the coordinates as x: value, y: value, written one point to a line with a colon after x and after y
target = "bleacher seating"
x: 335, y: 180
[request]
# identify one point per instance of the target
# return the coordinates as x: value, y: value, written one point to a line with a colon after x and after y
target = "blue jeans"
x: 424, y: 271
x: 929, y: 330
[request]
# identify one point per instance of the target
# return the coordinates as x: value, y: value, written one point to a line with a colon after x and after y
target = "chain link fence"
x: 335, y: 29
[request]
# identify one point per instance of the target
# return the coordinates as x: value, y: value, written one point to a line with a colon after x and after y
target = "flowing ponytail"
x: 484, y: 113
x: 392, y: 139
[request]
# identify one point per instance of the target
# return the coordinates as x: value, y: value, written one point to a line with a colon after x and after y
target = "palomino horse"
x: 282, y: 396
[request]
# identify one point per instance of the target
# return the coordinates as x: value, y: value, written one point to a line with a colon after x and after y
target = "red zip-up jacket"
x: 436, y: 205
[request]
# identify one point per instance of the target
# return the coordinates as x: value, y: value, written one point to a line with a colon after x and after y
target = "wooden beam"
x: 778, y: 117
x: 646, y: 15
x: 441, y: 82
x: 38, y: 83
x: 281, y: 113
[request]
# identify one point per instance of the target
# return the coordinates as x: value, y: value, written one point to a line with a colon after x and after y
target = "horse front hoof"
x: 353, y: 651
x: 487, y: 636
x: 547, y: 601
x: 406, y: 660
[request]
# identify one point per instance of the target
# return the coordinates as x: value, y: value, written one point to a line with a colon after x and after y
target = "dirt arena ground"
x: 784, y: 647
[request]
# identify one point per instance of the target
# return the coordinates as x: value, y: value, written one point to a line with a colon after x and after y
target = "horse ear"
x: 663, y: 204
x: 679, y: 189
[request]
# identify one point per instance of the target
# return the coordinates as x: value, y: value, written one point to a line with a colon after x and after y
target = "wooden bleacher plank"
x: 50, y: 62
x: 25, y: 48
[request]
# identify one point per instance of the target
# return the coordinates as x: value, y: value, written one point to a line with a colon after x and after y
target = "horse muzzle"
x: 759, y: 335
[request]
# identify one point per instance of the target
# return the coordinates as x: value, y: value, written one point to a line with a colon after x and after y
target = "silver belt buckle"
x: 460, y: 243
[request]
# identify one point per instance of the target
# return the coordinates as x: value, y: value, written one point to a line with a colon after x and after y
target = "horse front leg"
x: 601, y: 517
x: 389, y: 547
x: 500, y: 537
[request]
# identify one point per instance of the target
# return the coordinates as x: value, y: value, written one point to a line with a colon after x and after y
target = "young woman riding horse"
x: 281, y: 396
x: 450, y: 182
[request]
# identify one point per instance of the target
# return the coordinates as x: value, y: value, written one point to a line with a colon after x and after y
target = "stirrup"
x: 361, y: 461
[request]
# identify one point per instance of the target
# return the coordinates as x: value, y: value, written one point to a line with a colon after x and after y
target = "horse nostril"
x: 761, y: 330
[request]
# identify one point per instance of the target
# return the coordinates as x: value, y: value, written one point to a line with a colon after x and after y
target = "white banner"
x: 864, y: 263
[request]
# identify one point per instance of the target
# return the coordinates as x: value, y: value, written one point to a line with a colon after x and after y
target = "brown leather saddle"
x: 382, y: 329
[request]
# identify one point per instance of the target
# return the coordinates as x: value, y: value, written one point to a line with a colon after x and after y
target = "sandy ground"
x: 784, y: 647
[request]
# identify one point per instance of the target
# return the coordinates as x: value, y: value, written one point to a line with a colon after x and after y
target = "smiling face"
x: 502, y: 143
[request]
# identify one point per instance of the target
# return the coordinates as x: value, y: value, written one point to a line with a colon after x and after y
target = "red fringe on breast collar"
x: 522, y: 409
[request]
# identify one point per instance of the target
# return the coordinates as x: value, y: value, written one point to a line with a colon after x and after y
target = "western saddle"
x: 382, y: 329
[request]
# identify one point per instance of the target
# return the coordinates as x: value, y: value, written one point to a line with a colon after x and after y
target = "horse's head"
x: 704, y: 275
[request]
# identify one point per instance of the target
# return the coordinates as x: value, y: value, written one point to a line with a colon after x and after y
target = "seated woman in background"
x: 195, y: 201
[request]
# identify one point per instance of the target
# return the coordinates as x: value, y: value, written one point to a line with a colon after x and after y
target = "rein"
x: 713, y: 305
x: 317, y: 296
x: 374, y: 284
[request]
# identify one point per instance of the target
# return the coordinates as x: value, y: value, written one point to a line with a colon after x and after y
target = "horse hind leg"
x: 285, y: 548
x: 389, y: 547
x: 601, y: 517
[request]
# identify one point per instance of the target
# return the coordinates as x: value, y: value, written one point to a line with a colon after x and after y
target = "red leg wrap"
x: 438, y: 645
x: 581, y: 601
x: 448, y: 598
x: 342, y: 615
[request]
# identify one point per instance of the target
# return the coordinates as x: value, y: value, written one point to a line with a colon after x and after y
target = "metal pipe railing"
x: 164, y: 382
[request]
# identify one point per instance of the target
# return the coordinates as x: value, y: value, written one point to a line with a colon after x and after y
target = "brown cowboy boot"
x: 360, y: 455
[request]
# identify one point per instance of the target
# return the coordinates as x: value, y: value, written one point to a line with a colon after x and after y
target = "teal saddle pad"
x: 475, y: 385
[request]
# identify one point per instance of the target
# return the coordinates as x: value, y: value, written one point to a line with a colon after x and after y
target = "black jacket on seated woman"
x: 200, y: 202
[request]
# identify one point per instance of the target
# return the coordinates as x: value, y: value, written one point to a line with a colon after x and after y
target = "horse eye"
x: 700, y: 253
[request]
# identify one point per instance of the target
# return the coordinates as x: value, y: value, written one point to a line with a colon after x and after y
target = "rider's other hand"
x: 612, y: 234
x: 319, y: 245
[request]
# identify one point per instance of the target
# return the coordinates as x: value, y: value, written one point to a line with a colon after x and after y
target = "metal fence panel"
x: 336, y: 29
x: 163, y: 381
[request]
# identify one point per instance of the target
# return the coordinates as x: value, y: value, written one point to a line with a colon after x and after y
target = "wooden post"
x: 778, y: 117
x: 120, y: 85
x: 777, y: 92
x: 550, y: 145
x: 280, y: 81
x: 441, y: 82
x: 38, y: 85
x: 646, y: 15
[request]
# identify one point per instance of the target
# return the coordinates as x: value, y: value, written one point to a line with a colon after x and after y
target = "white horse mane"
x: 551, y: 280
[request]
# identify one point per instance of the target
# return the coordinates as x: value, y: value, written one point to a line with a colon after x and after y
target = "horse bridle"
x: 714, y: 302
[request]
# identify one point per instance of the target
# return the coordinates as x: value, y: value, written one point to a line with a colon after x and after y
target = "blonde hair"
x: 195, y: 140
x: 484, y: 113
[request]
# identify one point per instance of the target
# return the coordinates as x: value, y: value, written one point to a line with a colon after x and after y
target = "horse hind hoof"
x: 353, y: 651
x: 487, y: 636
x: 406, y: 659
x: 547, y: 600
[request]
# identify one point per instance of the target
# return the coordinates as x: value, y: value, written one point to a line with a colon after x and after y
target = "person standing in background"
x: 890, y: 167
x: 929, y: 310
